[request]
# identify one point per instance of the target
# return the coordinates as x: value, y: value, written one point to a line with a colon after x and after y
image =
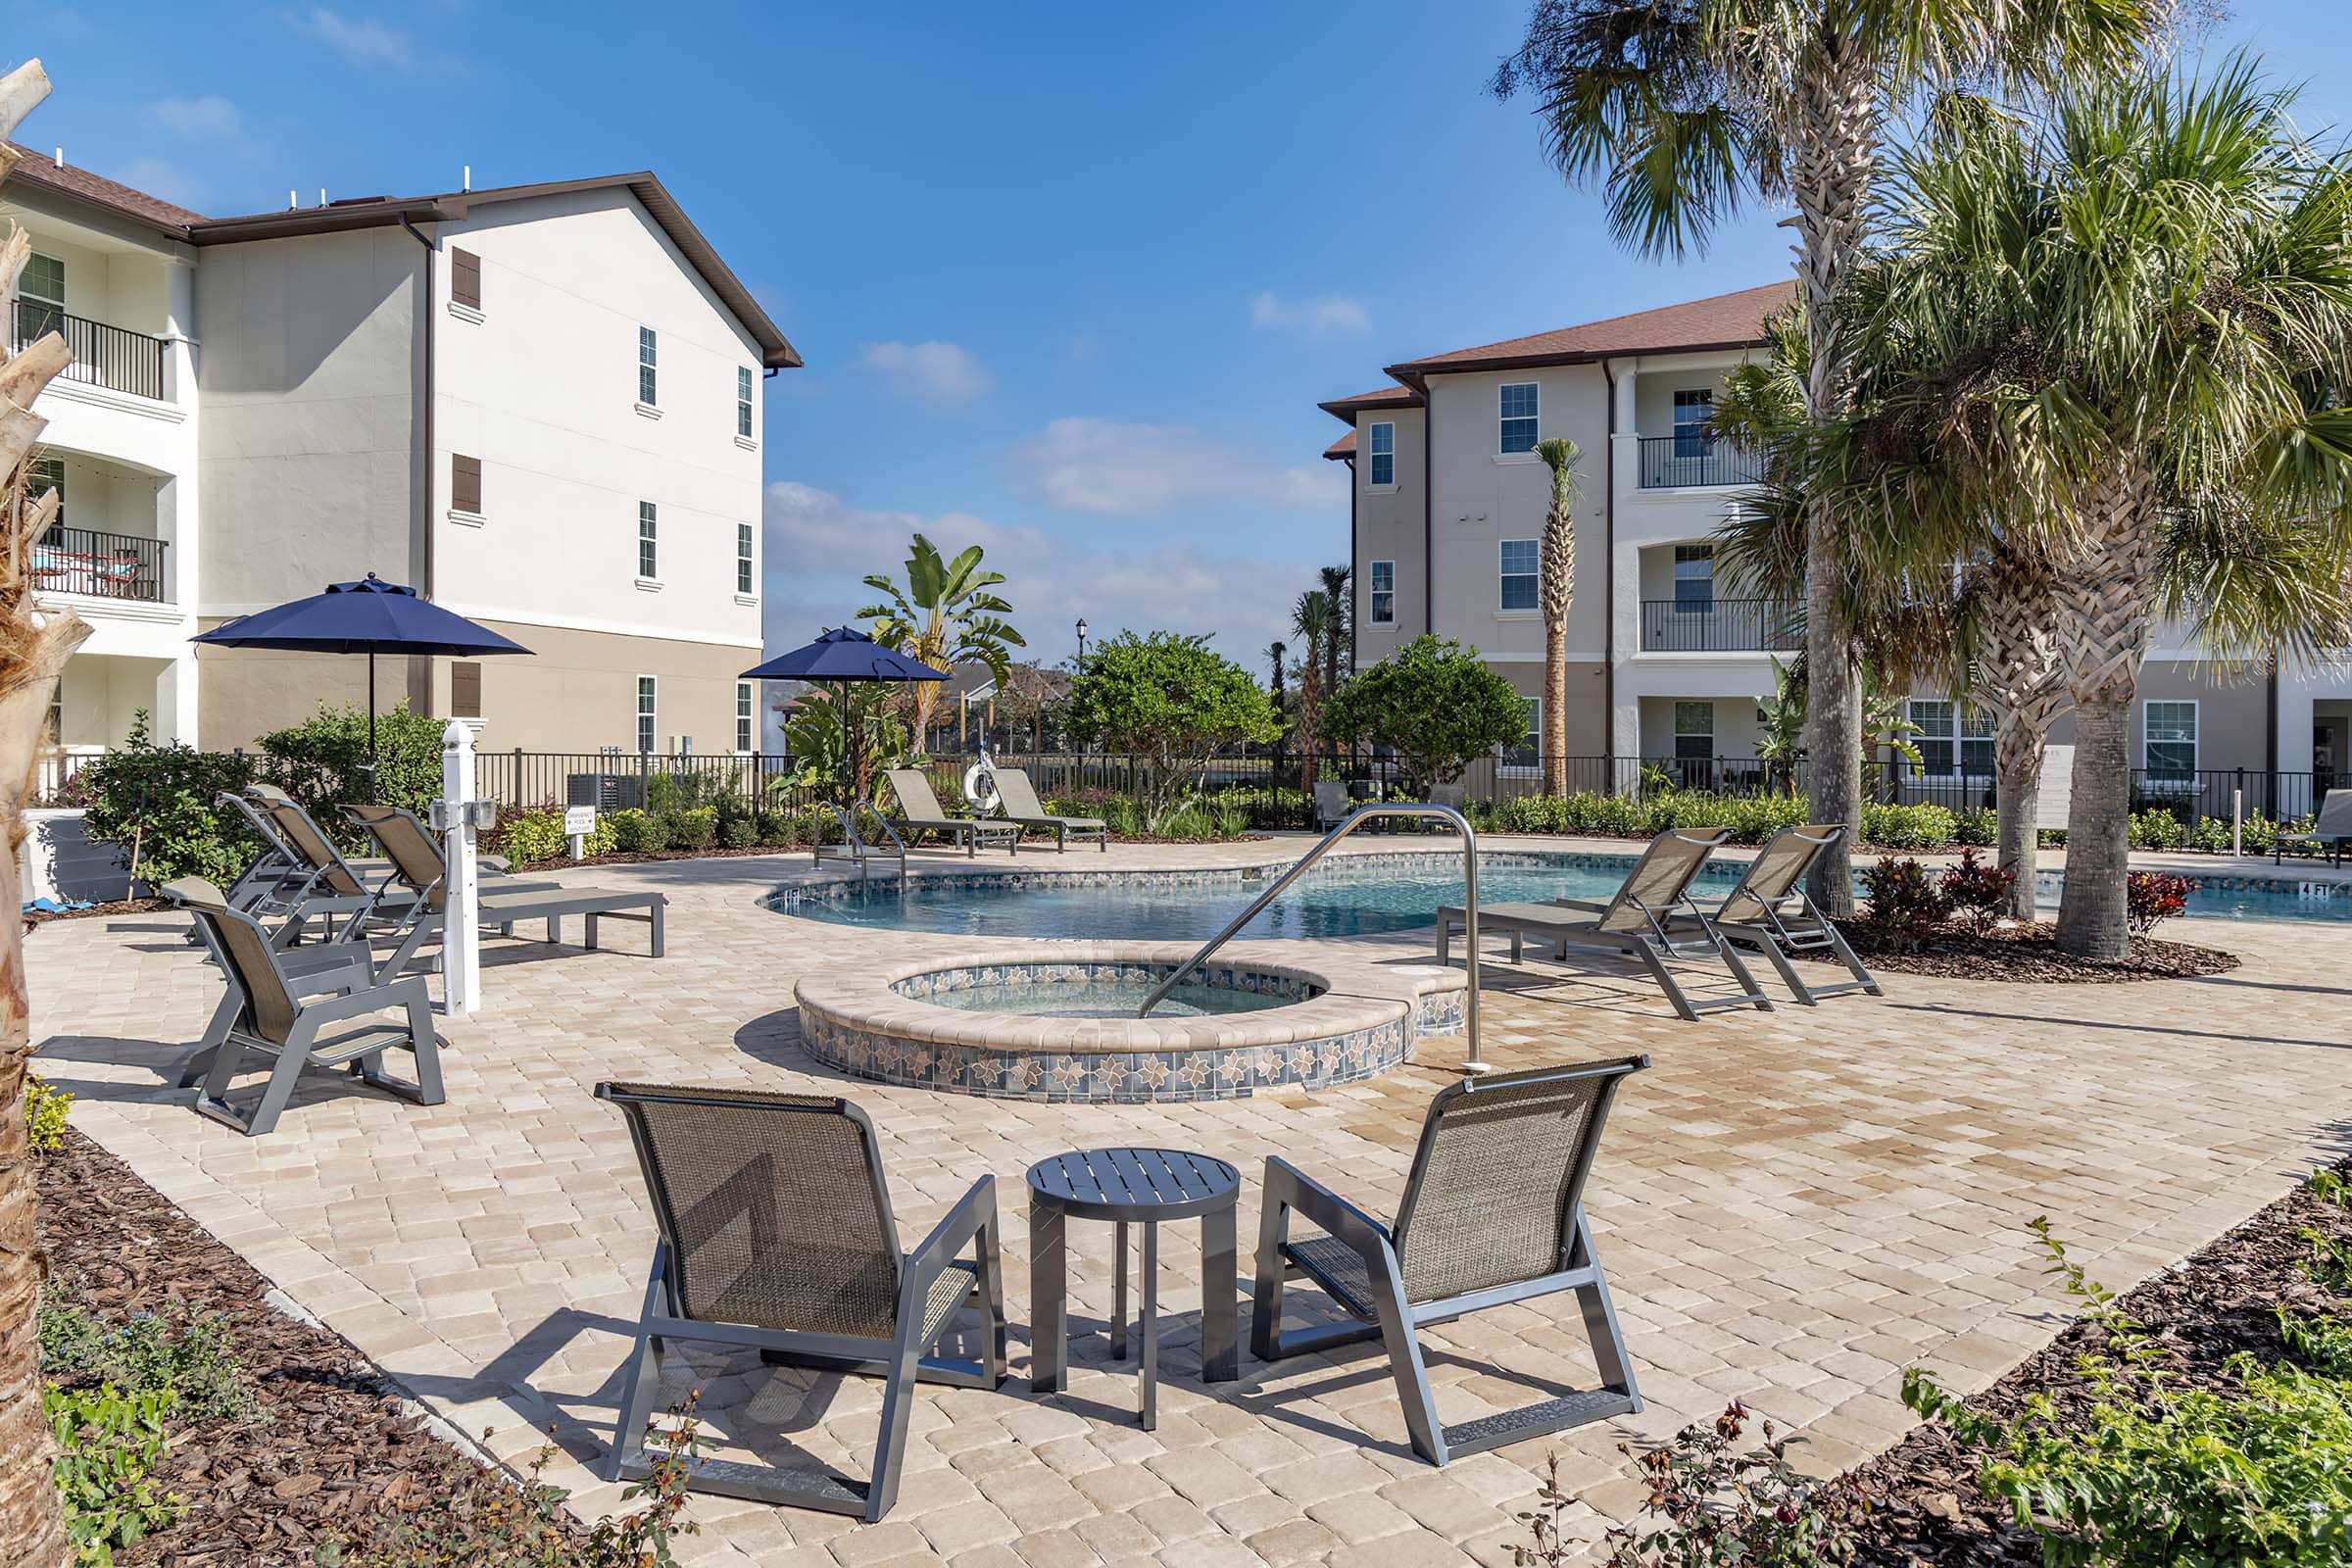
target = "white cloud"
x: 936, y: 372
x: 1332, y: 316
x: 210, y: 118
x: 1106, y: 466
x: 360, y: 40
x: 819, y: 546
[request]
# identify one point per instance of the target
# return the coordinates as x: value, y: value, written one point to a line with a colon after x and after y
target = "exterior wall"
x: 1388, y: 528
x: 1735, y: 726
x: 578, y: 690
x: 540, y: 385
x: 1588, y: 714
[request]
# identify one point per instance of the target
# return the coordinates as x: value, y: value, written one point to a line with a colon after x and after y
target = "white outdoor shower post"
x: 460, y: 932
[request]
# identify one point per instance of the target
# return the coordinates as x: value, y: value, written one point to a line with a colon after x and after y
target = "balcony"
x: 111, y: 357
x: 100, y: 565
x: 1679, y: 462
x: 1719, y: 626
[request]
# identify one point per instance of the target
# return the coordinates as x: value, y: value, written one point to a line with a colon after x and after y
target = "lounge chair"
x: 1017, y: 799
x: 775, y: 1233
x: 1650, y: 918
x: 1769, y: 911
x: 856, y: 848
x: 2331, y: 828
x: 341, y: 893
x: 1331, y: 804
x: 418, y: 860
x: 280, y: 1004
x: 1493, y: 1213
x: 919, y: 812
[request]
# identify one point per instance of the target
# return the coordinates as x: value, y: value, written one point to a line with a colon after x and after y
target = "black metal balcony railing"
x: 106, y: 356
x: 101, y: 565
x: 1672, y: 460
x: 1719, y: 626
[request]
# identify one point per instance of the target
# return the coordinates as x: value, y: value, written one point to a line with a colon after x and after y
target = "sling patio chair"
x: 1332, y: 803
x: 1769, y: 911
x: 503, y: 903
x: 1017, y: 799
x: 1650, y: 918
x: 1492, y: 1215
x: 775, y: 1233
x: 919, y: 812
x: 2331, y: 829
x: 341, y: 893
x: 280, y: 1004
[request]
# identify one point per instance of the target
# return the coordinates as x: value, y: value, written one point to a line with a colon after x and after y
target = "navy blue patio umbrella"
x: 843, y: 655
x: 370, y: 616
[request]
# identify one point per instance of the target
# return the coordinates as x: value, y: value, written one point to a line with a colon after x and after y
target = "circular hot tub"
x: 1058, y: 1022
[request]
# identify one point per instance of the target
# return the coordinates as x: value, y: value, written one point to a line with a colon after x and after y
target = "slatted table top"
x: 1135, y: 1184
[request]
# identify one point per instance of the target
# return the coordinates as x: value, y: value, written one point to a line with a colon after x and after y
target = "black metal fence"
x: 1719, y: 626
x: 111, y: 357
x: 105, y: 566
x: 1668, y: 460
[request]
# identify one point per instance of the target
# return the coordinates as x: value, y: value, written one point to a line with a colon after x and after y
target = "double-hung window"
x: 645, y: 712
x: 1516, y: 431
x: 48, y: 474
x: 742, y: 400
x: 742, y: 558
x: 1383, y: 593
x: 1384, y: 454
x: 40, y: 297
x: 1694, y: 580
x: 1692, y: 409
x: 1693, y: 731
x: 1518, y: 578
x: 647, y: 358
x: 2170, y: 739
x: 1527, y: 755
x: 649, y: 542
x: 1954, y: 739
x: 743, y: 717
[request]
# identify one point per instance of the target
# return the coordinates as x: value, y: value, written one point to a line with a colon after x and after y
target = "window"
x: 1519, y: 557
x: 742, y: 400
x: 1694, y: 580
x: 1384, y: 454
x: 1954, y: 739
x: 1518, y: 408
x: 744, y: 737
x: 1693, y: 731
x: 54, y: 726
x: 465, y: 484
x: 40, y: 296
x: 465, y: 279
x: 1528, y: 752
x: 649, y: 554
x: 1691, y: 411
x: 2169, y: 731
x: 742, y: 558
x: 645, y: 712
x: 1383, y: 593
x: 466, y: 690
x: 646, y: 386
x: 49, y: 474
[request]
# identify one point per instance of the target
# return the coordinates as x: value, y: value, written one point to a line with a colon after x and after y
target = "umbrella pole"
x: 849, y: 765
x: 371, y: 726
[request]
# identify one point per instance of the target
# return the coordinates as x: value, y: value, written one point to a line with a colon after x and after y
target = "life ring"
x: 980, y: 785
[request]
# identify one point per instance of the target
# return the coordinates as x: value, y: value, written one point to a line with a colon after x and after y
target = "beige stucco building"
x: 539, y: 405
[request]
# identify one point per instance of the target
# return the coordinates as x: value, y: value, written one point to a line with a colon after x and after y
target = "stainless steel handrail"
x: 1356, y: 819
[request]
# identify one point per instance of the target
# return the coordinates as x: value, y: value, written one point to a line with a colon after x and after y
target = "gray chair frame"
x: 1394, y: 1315
x: 1332, y: 803
x: 1769, y: 911
x: 852, y: 846
x: 329, y: 985
x: 919, y: 811
x: 1630, y: 924
x: 1033, y: 814
x: 2332, y: 826
x: 901, y: 1359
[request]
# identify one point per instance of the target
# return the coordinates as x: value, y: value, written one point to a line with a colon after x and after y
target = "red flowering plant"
x: 2153, y: 895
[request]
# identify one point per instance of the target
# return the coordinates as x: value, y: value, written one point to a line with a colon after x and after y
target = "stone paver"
x: 1793, y: 1207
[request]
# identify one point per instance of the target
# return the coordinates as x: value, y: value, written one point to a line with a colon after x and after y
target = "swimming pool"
x: 1345, y: 896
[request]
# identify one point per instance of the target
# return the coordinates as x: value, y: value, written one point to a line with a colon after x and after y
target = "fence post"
x: 645, y: 768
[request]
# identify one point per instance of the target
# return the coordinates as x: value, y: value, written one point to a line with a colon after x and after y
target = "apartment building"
x: 1447, y: 510
x: 538, y: 403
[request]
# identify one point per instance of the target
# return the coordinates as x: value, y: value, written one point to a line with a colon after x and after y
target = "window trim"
x: 747, y: 576
x: 1959, y: 740
x: 648, y: 366
x: 648, y: 713
x: 1374, y: 593
x: 1535, y: 727
x: 1534, y: 417
x: 742, y: 402
x: 1675, y: 736
x: 1535, y: 579
x: 59, y: 262
x: 746, y: 720
x: 2195, y: 742
x: 1372, y: 454
x: 1694, y: 606
x: 649, y: 542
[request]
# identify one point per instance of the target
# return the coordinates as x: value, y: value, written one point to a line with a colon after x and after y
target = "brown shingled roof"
x: 1344, y: 447
x: 1386, y: 396
x: 34, y: 167
x: 1721, y: 322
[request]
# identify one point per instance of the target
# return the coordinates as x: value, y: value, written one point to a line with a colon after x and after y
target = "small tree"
x: 943, y: 614
x: 1432, y: 702
x: 1314, y: 621
x: 322, y: 761
x: 1167, y: 697
x: 1557, y: 587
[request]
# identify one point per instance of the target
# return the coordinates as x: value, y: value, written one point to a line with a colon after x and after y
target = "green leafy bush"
x: 155, y: 804
x: 2156, y: 828
x: 529, y: 838
x: 738, y: 833
x: 1906, y: 904
x: 696, y: 828
x: 189, y: 1356
x: 1434, y: 702
x: 108, y: 1445
x: 636, y: 833
x: 322, y: 761
x: 45, y: 1110
x: 786, y: 829
x: 1980, y: 825
x: 1907, y: 827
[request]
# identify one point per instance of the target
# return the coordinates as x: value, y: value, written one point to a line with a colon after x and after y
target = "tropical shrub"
x: 813, y: 736
x: 1976, y: 891
x: 1172, y: 702
x: 155, y: 802
x: 636, y: 833
x: 322, y: 761
x: 1907, y: 827
x: 1980, y: 825
x: 2156, y: 828
x: 694, y: 829
x: 45, y: 1108
x: 108, y: 1445
x: 2153, y: 896
x: 191, y: 1358
x: 1905, y: 906
x: 530, y: 838
x: 1436, y: 704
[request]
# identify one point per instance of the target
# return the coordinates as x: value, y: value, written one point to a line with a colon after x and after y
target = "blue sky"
x: 1069, y: 280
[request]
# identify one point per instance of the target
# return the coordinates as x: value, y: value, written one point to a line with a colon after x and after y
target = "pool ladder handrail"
x: 1356, y: 819
x: 854, y: 846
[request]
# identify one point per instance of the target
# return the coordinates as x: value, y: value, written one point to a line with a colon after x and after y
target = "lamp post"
x: 1081, y: 669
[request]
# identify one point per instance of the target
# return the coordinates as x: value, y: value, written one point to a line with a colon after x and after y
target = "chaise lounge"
x: 919, y: 812
x: 2331, y: 829
x: 1769, y: 911
x: 1018, y: 800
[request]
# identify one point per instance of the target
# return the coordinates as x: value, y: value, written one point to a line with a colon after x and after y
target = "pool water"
x: 1104, y: 999
x: 1372, y: 896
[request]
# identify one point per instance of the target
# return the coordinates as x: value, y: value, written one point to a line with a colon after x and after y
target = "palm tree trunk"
x: 1554, y: 739
x: 1309, y: 702
x: 1837, y: 127
x: 2106, y: 595
x: 2017, y: 781
x: 2024, y: 687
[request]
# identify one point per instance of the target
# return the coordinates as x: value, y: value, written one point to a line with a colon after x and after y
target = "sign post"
x: 578, y: 822
x: 462, y: 932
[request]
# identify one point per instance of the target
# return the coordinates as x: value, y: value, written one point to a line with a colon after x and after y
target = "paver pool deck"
x: 1793, y: 1207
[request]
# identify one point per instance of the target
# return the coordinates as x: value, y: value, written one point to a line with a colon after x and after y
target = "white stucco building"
x: 540, y: 405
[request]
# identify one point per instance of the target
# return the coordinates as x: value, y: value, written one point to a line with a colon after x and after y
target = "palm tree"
x: 1557, y: 590
x: 1311, y: 619
x: 2132, y: 320
x: 1689, y: 110
x: 946, y: 614
x: 1338, y: 585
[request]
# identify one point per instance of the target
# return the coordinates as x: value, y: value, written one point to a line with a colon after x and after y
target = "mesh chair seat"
x: 1339, y: 1268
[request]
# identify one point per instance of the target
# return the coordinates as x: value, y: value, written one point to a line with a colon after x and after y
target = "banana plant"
x: 946, y: 614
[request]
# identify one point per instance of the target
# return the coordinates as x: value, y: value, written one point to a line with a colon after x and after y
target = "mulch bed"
x: 2224, y: 1299
x: 332, y: 1450
x: 1028, y: 845
x: 96, y: 912
x: 2029, y: 955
